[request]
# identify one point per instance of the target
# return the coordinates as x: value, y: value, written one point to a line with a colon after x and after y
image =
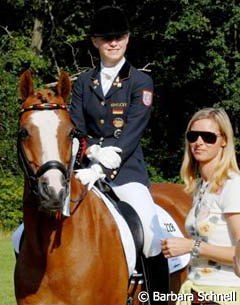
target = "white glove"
x: 90, y: 175
x: 107, y: 156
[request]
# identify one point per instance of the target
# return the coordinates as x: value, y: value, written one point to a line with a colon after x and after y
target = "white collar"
x: 112, y: 72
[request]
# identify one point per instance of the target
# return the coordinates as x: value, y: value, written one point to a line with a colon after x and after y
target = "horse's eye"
x: 23, y: 133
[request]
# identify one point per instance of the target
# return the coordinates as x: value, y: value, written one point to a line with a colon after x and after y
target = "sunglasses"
x: 207, y: 136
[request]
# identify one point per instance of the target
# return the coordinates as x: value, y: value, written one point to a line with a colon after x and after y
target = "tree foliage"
x: 10, y: 202
x: 191, y: 47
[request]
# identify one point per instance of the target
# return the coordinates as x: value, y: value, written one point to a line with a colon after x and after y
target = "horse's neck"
x: 78, y: 190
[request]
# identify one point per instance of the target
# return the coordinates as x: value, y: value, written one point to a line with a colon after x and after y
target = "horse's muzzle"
x: 50, y: 200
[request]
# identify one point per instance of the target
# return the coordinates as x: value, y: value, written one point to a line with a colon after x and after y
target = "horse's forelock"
x: 42, y: 96
x: 45, y: 96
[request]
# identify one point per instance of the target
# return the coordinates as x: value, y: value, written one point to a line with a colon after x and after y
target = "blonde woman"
x: 211, y: 174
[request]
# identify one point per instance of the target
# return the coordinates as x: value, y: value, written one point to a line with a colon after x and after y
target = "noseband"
x: 53, y: 164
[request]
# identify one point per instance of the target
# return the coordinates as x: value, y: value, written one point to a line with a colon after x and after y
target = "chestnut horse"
x: 67, y: 260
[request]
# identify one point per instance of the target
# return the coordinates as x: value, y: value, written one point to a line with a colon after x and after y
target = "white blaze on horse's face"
x: 48, y: 123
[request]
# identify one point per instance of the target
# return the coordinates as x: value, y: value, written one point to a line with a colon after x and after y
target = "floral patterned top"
x: 206, y: 221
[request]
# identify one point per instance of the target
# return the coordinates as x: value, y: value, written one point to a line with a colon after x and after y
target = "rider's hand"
x: 107, y: 156
x: 90, y: 175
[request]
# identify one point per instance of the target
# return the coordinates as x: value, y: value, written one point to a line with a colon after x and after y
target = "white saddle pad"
x: 125, y: 233
x: 170, y: 229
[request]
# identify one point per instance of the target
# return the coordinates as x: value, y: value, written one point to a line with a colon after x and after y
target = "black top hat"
x: 109, y: 21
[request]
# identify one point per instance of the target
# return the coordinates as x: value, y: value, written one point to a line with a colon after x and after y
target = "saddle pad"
x: 170, y: 229
x: 125, y: 233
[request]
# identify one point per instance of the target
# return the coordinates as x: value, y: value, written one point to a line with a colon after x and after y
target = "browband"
x: 43, y: 106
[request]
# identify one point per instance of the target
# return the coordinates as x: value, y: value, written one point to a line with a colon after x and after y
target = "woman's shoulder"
x: 232, y: 182
x: 233, y: 177
x: 229, y: 197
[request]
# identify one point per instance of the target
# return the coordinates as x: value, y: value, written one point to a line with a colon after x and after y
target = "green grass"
x: 7, y: 262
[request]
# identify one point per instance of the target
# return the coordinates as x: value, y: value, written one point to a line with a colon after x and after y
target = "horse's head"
x: 45, y: 141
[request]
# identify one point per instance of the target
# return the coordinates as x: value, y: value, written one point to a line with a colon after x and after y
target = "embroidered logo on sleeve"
x: 147, y: 97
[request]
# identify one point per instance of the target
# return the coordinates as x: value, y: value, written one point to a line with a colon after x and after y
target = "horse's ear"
x: 64, y: 85
x: 26, y: 85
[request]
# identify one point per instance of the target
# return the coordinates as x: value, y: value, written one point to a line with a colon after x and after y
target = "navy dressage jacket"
x: 119, y: 118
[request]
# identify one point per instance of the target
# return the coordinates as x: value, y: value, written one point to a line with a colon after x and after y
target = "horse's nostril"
x: 45, y: 187
x: 44, y: 190
x: 50, y: 199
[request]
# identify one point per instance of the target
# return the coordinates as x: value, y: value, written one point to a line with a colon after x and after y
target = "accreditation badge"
x: 147, y: 97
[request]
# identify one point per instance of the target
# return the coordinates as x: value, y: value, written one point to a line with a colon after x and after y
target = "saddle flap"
x: 134, y: 223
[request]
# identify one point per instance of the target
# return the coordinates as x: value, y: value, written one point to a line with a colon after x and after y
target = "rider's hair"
x: 228, y: 163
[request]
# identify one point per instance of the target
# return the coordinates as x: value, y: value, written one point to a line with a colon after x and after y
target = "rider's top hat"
x: 109, y: 21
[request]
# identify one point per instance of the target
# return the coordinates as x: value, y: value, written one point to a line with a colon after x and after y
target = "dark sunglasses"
x: 207, y: 136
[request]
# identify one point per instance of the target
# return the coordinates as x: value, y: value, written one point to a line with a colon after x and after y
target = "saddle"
x: 149, y: 271
x: 128, y: 213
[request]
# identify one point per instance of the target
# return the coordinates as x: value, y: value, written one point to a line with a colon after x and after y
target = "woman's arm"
x: 224, y: 255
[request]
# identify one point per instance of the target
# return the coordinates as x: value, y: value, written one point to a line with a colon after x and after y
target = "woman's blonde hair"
x: 189, y: 169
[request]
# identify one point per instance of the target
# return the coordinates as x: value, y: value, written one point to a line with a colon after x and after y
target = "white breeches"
x: 139, y: 197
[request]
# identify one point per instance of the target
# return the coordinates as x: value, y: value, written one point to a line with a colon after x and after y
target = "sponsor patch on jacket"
x: 147, y: 97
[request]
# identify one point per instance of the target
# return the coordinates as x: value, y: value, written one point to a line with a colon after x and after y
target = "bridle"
x: 32, y: 177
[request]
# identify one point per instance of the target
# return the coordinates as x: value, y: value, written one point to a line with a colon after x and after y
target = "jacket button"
x: 102, y: 121
x: 102, y: 103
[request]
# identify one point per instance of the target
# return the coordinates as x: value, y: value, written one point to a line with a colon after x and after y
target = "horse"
x: 65, y: 260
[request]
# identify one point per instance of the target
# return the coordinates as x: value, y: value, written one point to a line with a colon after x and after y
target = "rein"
x: 53, y: 164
